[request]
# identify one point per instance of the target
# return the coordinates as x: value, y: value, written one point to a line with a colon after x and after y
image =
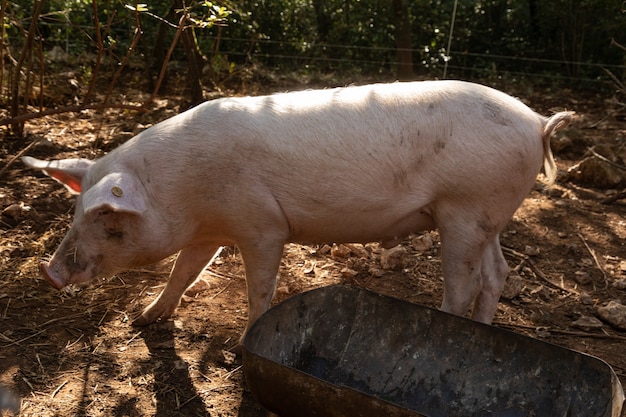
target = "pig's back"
x: 383, y: 139
x: 334, y: 158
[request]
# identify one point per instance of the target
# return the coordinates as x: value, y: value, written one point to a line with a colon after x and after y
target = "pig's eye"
x: 104, y: 212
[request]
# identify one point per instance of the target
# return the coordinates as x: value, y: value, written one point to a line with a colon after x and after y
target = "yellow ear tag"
x: 117, y: 191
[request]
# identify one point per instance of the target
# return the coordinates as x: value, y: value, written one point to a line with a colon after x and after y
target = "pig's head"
x: 102, y: 239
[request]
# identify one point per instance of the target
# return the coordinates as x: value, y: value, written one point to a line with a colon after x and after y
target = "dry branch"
x: 595, y: 258
x: 179, y: 30
x: 69, y: 109
x: 606, y: 160
x: 619, y: 45
x: 15, y: 106
x: 535, y: 269
x: 130, y: 51
x: 619, y: 196
x: 20, y: 153
x: 562, y: 332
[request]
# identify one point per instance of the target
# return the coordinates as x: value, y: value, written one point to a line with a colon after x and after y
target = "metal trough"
x: 344, y: 351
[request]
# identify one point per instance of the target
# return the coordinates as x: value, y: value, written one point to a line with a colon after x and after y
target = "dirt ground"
x: 75, y: 353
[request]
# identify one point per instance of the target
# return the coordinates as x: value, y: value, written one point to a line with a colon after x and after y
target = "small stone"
x: 324, y: 250
x: 393, y: 258
x: 16, y: 211
x: 309, y: 267
x: 596, y: 172
x: 512, y: 287
x: 543, y: 332
x: 340, y: 251
x: 620, y: 284
x: 197, y: 287
x: 348, y: 273
x: 376, y: 272
x: 282, y: 290
x: 587, y: 323
x: 582, y: 277
x: 229, y: 357
x: 358, y: 250
x: 585, y: 299
x: 422, y: 243
x: 614, y: 313
x: 530, y: 251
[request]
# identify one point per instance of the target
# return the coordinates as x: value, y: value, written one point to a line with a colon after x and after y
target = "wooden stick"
x: 595, y: 258
x: 20, y: 153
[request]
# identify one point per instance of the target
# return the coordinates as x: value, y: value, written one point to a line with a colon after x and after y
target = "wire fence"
x: 427, y: 63
x: 461, y: 63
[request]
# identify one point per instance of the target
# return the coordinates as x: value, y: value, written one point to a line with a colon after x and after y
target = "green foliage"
x: 560, y: 38
x: 557, y: 38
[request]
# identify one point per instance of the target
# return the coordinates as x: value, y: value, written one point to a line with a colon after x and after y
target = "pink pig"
x: 355, y: 164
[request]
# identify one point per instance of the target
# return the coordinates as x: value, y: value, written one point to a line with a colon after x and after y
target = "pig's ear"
x: 118, y: 192
x: 69, y: 172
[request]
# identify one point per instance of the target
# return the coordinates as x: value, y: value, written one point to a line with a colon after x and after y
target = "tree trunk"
x: 195, y: 60
x: 195, y: 63
x: 403, y: 40
x: 323, y: 20
x: 17, y: 129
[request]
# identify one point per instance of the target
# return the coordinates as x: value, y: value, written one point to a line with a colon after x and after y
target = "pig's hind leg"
x: 494, y: 271
x: 473, y: 266
x: 189, y: 263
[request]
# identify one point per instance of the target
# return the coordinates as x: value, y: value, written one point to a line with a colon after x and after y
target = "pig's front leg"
x: 262, y: 261
x: 189, y: 263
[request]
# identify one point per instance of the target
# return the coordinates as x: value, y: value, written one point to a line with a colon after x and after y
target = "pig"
x: 355, y: 164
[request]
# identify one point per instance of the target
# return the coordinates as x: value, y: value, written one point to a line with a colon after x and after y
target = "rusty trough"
x: 344, y: 351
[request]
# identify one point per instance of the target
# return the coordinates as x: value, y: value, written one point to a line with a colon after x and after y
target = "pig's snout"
x: 51, y: 276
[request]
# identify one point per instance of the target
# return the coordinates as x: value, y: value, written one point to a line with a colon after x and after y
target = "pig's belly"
x: 358, y: 227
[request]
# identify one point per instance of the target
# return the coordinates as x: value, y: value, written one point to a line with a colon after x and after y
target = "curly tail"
x: 553, y: 124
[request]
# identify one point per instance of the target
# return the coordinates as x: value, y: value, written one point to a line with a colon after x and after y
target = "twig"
x: 615, y: 79
x: 564, y: 332
x: 605, y: 159
x: 14, y: 106
x: 28, y: 383
x: 178, y: 407
x: 71, y: 316
x: 56, y: 391
x: 220, y: 274
x: 69, y: 345
x: 231, y: 373
x: 68, y: 109
x: 20, y: 153
x: 129, y: 52
x: 95, y: 71
x: 222, y: 290
x: 136, y: 335
x: 595, y: 258
x: 157, y: 87
x: 17, y: 342
x: 614, y: 198
x: 103, y: 317
x: 619, y: 45
x: 536, y: 270
x: 596, y: 124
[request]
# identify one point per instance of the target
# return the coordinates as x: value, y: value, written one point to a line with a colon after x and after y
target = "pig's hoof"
x: 144, y: 320
x: 157, y: 311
